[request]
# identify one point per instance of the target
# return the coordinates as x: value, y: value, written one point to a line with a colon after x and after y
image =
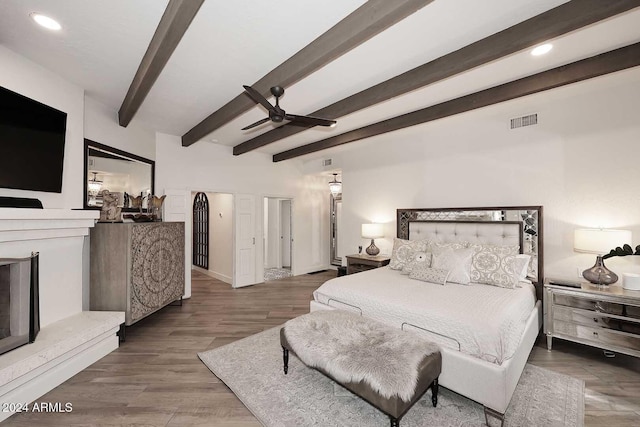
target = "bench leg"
x: 488, y: 412
x: 434, y: 392
x: 394, y: 421
x: 285, y: 358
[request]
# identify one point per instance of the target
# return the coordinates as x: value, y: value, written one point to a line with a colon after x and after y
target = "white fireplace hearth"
x: 70, y: 339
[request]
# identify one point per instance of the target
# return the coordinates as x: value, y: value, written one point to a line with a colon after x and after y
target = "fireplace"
x: 19, y: 302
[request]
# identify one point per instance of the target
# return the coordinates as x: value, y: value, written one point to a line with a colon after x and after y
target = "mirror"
x: 336, y: 219
x: 126, y: 174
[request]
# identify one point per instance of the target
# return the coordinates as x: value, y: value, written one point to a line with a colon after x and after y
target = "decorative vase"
x: 600, y: 274
x: 372, y: 249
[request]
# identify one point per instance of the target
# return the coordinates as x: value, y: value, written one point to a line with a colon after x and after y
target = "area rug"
x: 252, y: 369
x: 276, y: 273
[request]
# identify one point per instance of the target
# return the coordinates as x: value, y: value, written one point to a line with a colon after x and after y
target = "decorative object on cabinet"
x: 357, y: 263
x: 372, y: 231
x: 136, y: 268
x: 598, y: 241
x: 110, y: 212
x: 604, y: 317
x: 335, y: 186
x: 631, y: 281
x: 155, y: 204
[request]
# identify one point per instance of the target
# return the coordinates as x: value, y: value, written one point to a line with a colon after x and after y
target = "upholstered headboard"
x: 500, y: 233
x: 512, y: 225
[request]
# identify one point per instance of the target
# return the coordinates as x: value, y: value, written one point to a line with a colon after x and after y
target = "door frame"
x: 260, y: 263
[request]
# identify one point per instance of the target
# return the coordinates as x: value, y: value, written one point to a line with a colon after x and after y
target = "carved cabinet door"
x: 157, y: 267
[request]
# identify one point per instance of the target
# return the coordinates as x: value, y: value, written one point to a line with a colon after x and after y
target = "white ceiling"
x: 233, y: 43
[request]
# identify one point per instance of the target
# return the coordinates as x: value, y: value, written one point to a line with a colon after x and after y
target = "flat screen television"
x: 31, y: 144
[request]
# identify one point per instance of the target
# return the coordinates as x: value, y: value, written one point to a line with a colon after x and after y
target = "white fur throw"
x: 352, y: 348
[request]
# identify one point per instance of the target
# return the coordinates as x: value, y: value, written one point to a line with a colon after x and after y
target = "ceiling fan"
x: 277, y: 114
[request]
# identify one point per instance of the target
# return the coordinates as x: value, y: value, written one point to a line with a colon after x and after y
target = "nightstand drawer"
x: 587, y: 304
x: 597, y: 335
x: 596, y: 320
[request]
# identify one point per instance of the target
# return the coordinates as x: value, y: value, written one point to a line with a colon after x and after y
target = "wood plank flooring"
x: 156, y: 379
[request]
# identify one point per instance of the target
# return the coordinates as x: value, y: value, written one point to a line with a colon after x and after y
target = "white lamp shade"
x: 600, y: 241
x: 372, y: 231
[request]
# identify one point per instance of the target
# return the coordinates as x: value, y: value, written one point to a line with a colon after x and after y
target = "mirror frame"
x: 334, y: 230
x: 89, y: 143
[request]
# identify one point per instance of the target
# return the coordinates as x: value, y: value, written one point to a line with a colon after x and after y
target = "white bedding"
x: 483, y: 321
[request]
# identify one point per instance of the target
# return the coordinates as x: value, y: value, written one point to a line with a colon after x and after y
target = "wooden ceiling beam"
x: 371, y: 18
x: 546, y: 26
x: 174, y: 23
x: 610, y: 62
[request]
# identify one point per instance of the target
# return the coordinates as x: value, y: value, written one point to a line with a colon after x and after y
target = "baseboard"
x: 222, y: 277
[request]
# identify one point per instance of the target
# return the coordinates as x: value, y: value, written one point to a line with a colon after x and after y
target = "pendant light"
x: 335, y: 186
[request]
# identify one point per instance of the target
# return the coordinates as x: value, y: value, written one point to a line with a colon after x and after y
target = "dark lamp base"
x: 599, y: 274
x: 372, y: 249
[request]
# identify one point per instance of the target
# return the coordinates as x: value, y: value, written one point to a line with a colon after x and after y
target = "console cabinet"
x: 137, y: 268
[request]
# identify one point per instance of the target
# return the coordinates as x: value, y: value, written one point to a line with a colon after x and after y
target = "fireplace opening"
x: 19, y: 302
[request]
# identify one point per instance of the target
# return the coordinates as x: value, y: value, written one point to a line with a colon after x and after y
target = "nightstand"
x: 357, y: 263
x: 607, y: 317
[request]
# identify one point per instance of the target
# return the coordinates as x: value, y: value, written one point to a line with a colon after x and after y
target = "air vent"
x: 519, y: 122
x: 326, y: 162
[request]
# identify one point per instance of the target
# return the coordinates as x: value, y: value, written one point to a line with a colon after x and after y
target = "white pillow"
x: 404, y: 251
x: 521, y: 266
x: 457, y: 261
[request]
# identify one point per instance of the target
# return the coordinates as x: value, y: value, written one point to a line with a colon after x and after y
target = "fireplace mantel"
x: 36, y: 224
x: 70, y: 339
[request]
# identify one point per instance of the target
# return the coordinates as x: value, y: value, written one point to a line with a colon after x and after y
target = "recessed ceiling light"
x: 542, y: 49
x: 45, y: 21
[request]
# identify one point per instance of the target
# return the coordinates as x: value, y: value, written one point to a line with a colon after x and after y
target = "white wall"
x: 213, y: 168
x: 221, y: 236
x: 272, y: 233
x: 101, y: 125
x: 581, y: 162
x: 31, y: 80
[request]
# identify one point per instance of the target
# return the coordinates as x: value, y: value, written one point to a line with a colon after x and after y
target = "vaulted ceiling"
x: 228, y: 44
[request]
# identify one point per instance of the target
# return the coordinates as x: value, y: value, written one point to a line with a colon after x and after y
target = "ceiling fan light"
x: 335, y: 186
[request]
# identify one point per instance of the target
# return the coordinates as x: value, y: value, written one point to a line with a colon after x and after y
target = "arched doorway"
x: 201, y: 231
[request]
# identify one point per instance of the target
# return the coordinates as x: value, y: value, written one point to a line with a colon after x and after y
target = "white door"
x: 177, y: 207
x: 245, y: 271
x: 285, y: 230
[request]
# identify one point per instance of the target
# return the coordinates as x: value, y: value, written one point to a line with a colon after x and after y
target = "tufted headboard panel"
x: 500, y: 233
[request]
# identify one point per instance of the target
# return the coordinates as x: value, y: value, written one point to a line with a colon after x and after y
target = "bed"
x: 485, y: 345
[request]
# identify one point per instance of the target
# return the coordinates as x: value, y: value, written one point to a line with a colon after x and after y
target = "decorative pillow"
x: 457, y: 261
x: 420, y: 260
x: 404, y: 251
x: 495, y: 265
x: 432, y: 275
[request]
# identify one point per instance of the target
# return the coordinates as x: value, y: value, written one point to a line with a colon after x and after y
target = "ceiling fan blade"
x: 309, y: 120
x: 258, y: 98
x: 258, y: 123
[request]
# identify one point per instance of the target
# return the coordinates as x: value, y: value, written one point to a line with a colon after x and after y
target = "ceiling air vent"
x: 519, y: 122
x: 326, y: 162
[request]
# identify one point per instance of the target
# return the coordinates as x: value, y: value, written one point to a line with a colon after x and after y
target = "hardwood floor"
x: 156, y: 379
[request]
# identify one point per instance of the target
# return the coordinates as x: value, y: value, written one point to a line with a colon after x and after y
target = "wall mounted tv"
x: 31, y: 144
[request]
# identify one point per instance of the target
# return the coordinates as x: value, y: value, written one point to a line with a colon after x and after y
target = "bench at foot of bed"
x: 428, y: 372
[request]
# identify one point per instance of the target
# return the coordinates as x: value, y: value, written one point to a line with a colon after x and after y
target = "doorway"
x: 213, y: 234
x: 277, y: 238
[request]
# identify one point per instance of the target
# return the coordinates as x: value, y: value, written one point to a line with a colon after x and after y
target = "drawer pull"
x: 595, y: 319
x: 595, y: 334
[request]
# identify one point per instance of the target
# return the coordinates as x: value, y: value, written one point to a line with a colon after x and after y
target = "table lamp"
x: 599, y: 241
x: 372, y: 231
